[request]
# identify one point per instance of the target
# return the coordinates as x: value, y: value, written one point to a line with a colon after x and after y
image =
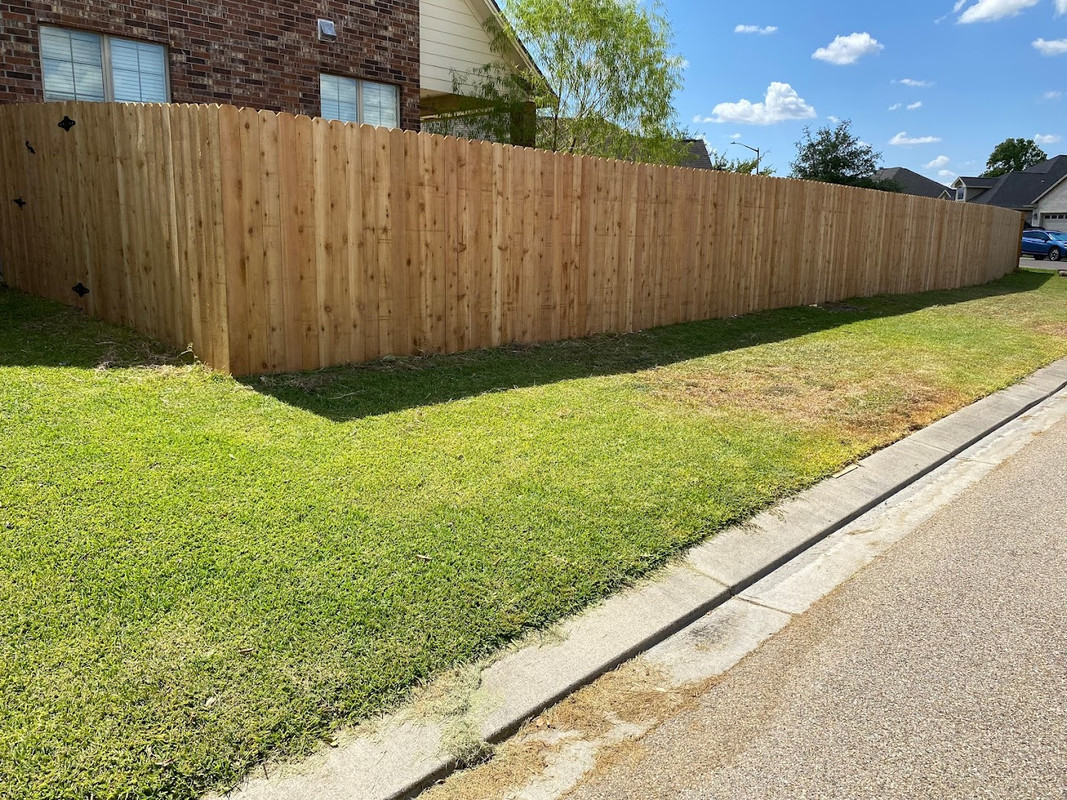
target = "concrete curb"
x: 405, y: 754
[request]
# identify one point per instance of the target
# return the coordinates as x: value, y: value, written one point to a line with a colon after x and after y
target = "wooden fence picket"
x: 273, y: 242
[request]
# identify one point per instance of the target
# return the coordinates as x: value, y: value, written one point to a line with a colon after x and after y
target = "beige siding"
x: 453, y: 38
x: 1055, y: 202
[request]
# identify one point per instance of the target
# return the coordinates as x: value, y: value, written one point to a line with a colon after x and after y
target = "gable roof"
x: 695, y: 155
x: 1021, y: 190
x: 975, y: 183
x: 456, y: 39
x: 517, y: 46
x: 912, y: 182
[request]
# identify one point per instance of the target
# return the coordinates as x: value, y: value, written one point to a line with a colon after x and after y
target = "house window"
x: 88, y: 66
x: 961, y: 192
x: 353, y: 100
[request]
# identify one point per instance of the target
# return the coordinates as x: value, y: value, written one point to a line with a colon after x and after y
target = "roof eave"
x: 1041, y: 196
x: 517, y: 46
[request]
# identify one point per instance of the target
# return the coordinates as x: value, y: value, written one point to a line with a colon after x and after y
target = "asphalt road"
x: 939, y: 671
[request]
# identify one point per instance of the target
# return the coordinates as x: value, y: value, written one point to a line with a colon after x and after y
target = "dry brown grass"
x: 854, y: 404
x: 633, y: 694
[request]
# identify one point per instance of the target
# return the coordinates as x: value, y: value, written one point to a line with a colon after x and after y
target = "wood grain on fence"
x: 271, y: 242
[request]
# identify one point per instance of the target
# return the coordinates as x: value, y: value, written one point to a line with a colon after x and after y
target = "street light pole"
x: 754, y: 150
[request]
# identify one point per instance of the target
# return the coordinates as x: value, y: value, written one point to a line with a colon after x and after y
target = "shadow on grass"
x: 36, y: 332
x: 352, y: 392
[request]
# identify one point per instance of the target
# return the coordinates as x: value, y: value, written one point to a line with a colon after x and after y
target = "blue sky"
x: 933, y: 85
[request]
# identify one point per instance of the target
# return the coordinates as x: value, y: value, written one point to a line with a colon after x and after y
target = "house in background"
x: 1039, y: 192
x: 381, y: 63
x: 966, y: 189
x: 695, y: 154
x: 914, y: 183
x: 455, y: 42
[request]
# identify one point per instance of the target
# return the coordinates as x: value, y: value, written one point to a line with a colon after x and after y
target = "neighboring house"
x: 914, y: 183
x: 1039, y: 192
x: 967, y: 189
x: 379, y: 62
x: 456, y: 40
x: 695, y: 155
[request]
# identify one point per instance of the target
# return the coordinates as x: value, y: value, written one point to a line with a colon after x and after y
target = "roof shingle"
x: 1021, y: 190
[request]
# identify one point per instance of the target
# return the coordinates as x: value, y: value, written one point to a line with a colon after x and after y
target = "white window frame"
x: 359, y: 97
x: 105, y: 62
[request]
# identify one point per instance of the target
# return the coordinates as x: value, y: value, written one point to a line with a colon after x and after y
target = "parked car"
x: 1045, y: 243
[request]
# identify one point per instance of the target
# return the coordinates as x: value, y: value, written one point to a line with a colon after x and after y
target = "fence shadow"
x: 35, y: 332
x: 39, y: 332
x: 348, y: 393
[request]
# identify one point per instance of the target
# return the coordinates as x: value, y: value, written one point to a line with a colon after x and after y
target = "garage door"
x: 1055, y: 222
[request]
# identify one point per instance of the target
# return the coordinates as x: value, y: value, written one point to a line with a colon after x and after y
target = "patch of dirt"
x: 634, y: 694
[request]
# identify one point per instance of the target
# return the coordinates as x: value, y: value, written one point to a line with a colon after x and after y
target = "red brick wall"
x: 244, y: 52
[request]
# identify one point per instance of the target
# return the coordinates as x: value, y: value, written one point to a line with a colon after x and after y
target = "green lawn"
x: 198, y: 573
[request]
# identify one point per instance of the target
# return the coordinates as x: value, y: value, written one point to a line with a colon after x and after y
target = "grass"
x: 198, y: 573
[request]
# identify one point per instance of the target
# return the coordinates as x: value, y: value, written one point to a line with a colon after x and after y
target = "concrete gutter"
x: 400, y: 756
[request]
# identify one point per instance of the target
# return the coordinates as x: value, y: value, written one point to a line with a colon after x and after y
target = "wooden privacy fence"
x: 274, y: 242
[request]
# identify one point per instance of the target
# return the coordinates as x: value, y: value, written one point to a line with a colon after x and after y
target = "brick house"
x: 384, y: 62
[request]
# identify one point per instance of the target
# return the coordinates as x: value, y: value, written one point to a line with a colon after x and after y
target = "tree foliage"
x: 744, y: 166
x: 1013, y: 155
x: 606, y: 83
x: 836, y: 155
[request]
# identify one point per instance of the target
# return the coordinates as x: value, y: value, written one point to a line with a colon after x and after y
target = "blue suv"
x: 1045, y: 243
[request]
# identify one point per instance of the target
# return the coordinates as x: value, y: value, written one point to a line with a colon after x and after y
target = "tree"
x: 744, y: 166
x: 835, y: 155
x: 1013, y: 155
x: 606, y: 82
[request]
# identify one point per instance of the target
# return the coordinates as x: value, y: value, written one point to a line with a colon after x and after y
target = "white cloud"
x: 781, y: 103
x: 1052, y: 95
x: 915, y: 106
x: 735, y: 135
x: 896, y: 106
x: 918, y: 84
x: 848, y: 49
x: 1061, y: 6
x: 992, y: 10
x: 903, y: 139
x: 959, y: 4
x: 945, y: 174
x: 1047, y: 138
x: 938, y: 163
x: 1051, y: 47
x: 766, y: 31
x: 833, y: 119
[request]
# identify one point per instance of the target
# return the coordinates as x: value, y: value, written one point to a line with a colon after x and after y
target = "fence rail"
x: 273, y: 242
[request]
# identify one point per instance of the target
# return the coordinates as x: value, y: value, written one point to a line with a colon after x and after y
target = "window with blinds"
x: 355, y: 100
x: 77, y: 65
